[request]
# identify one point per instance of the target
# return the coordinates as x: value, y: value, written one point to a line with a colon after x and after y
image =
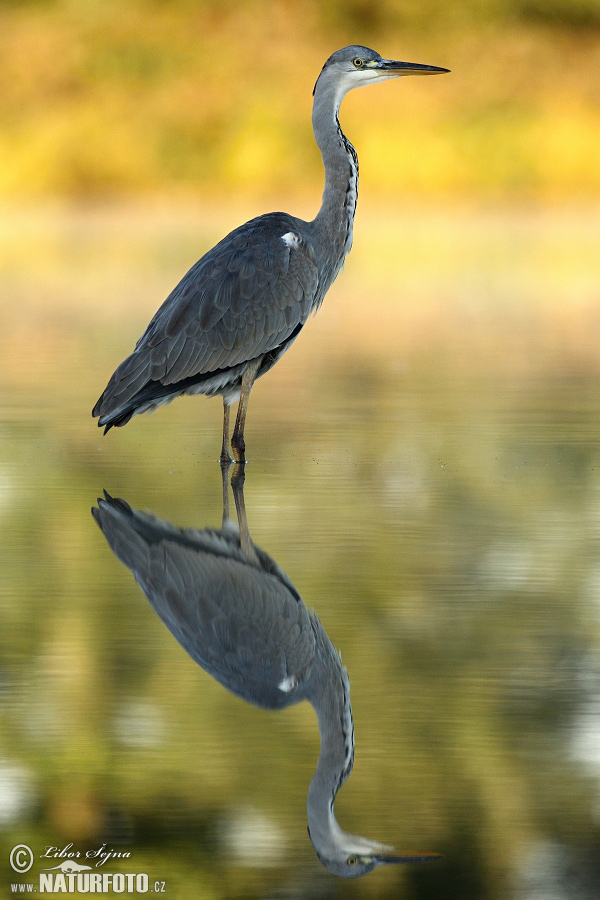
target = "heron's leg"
x: 238, y: 445
x: 225, y: 459
x: 237, y: 486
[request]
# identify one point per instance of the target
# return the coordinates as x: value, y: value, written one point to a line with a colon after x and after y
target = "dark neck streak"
x: 334, y: 221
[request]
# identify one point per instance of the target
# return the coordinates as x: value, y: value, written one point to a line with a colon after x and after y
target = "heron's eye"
x: 351, y: 861
x: 358, y: 63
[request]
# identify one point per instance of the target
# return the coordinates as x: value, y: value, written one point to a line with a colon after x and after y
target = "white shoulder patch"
x: 288, y: 684
x: 292, y: 239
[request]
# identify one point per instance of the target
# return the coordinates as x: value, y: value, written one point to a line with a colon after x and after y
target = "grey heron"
x: 238, y: 615
x: 239, y: 308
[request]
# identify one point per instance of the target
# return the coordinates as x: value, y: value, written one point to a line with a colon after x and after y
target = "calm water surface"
x: 424, y: 464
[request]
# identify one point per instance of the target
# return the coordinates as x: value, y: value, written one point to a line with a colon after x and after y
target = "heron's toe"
x: 238, y: 447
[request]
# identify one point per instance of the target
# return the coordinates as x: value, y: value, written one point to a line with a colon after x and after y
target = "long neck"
x: 332, y: 704
x: 336, y: 217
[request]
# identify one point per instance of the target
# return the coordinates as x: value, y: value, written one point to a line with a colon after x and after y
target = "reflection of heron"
x: 240, y: 307
x: 68, y: 865
x: 239, y: 616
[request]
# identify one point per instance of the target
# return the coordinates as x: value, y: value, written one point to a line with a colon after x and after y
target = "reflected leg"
x: 237, y: 486
x: 225, y: 483
x: 225, y: 458
x: 238, y: 445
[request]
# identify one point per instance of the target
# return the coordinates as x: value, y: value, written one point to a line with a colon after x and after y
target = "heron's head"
x: 351, y: 856
x: 357, y: 66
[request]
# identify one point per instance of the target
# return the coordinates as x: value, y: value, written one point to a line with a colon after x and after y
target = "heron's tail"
x: 119, y: 400
x: 110, y: 421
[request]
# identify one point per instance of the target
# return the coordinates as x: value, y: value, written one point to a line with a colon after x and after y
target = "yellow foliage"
x: 142, y: 96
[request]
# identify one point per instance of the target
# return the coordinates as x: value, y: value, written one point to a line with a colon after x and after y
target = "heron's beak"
x: 412, y: 858
x: 390, y: 68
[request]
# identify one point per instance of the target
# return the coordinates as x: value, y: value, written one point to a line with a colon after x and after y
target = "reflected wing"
x: 239, y: 622
x: 244, y: 298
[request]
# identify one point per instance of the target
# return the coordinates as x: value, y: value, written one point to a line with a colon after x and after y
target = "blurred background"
x: 211, y: 100
x: 424, y: 461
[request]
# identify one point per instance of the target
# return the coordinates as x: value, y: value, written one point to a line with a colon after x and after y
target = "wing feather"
x: 244, y: 298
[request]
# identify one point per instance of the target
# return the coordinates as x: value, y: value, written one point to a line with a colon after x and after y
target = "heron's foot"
x: 225, y: 459
x: 238, y: 447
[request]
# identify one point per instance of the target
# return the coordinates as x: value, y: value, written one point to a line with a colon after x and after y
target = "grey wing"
x: 240, y: 624
x: 244, y: 298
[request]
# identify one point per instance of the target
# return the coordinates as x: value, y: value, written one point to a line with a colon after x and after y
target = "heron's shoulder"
x: 273, y: 223
x: 272, y: 231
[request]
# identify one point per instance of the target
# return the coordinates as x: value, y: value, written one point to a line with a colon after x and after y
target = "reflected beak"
x: 412, y: 858
x: 389, y: 68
